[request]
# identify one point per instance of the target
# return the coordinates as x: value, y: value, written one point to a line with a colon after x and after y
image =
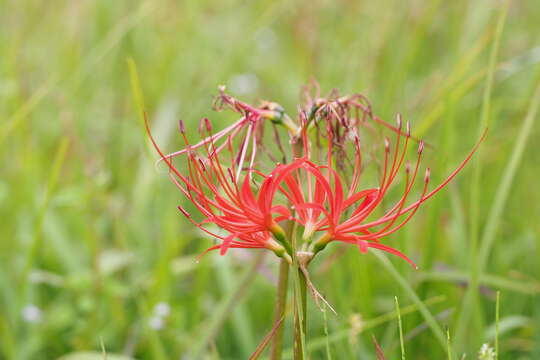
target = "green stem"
x: 300, y: 316
x: 279, y: 311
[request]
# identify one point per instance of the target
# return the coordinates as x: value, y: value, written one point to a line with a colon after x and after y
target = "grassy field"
x: 94, y: 255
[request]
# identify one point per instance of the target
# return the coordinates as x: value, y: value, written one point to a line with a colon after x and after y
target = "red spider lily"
x: 315, y: 194
x: 322, y: 203
x: 226, y: 200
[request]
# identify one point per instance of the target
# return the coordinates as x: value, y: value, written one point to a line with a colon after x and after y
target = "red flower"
x: 322, y: 204
x: 226, y: 199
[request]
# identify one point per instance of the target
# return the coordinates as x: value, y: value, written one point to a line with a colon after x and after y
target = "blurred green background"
x: 93, y: 253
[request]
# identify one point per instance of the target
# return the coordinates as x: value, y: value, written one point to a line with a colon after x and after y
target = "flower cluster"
x: 317, y: 192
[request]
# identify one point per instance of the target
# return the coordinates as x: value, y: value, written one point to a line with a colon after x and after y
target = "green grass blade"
x: 136, y: 89
x: 449, y: 345
x: 497, y: 314
x: 224, y: 309
x: 325, y: 319
x: 509, y: 174
x: 428, y: 317
x: 335, y: 337
x: 471, y: 295
x: 35, y: 246
x: 401, y: 342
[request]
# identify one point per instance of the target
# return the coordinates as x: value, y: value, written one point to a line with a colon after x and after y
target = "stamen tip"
x: 181, y: 126
x: 399, y: 121
x: 408, y: 125
x: 421, y: 147
x: 202, y: 165
x: 428, y: 173
x: 184, y: 211
x: 208, y: 124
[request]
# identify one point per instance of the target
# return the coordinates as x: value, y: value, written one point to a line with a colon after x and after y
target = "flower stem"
x: 279, y: 311
x: 300, y: 315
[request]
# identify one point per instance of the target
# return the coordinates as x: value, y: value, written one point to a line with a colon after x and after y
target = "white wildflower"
x: 486, y: 353
x: 162, y: 309
x: 31, y: 314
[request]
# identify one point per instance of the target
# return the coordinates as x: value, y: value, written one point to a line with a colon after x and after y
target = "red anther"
x: 421, y: 147
x: 183, y: 211
x: 208, y: 125
x: 181, y: 126
x: 231, y: 175
x: 426, y: 177
x: 202, y: 165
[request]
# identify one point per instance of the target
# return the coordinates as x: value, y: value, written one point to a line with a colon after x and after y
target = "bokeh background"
x: 94, y: 255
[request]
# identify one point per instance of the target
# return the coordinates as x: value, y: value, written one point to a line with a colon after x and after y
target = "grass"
x: 90, y: 234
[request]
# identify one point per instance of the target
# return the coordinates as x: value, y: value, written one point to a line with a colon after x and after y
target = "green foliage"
x: 90, y: 239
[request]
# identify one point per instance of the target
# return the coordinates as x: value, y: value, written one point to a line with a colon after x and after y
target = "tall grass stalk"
x: 497, y: 318
x: 401, y: 342
x: 470, y: 301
